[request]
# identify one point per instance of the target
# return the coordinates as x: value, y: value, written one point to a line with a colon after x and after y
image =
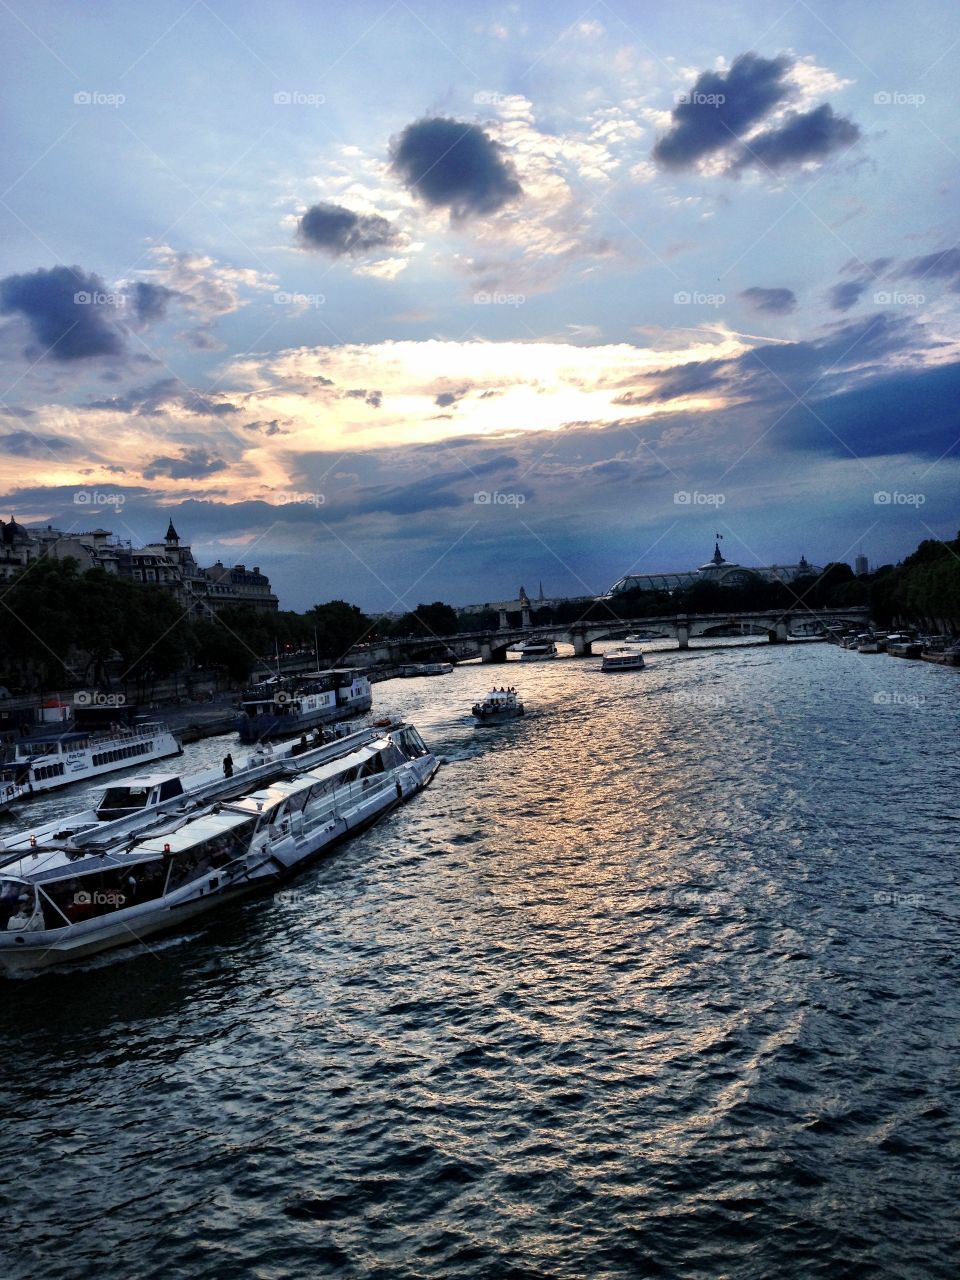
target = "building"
x: 168, y: 564
x: 723, y: 572
x: 861, y: 565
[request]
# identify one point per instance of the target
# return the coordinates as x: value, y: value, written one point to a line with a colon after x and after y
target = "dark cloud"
x: 721, y: 107
x: 338, y: 231
x: 161, y: 396
x: 192, y: 464
x: 271, y: 428
x: 150, y: 301
x: 63, y: 308
x: 373, y: 398
x: 454, y: 165
x: 804, y: 135
x: 24, y: 444
x: 446, y: 398
x: 901, y: 413
x: 846, y: 294
x: 943, y: 265
x: 776, y: 302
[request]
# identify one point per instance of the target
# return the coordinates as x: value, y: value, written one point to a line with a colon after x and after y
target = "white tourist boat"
x: 60, y: 904
x: 623, y: 658
x: 498, y: 706
x: 285, y: 707
x: 49, y: 760
x: 537, y: 651
x: 134, y: 803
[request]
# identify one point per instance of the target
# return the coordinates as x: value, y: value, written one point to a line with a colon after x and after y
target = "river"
x: 660, y: 980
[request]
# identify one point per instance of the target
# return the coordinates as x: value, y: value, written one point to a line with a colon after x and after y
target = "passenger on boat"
x: 228, y: 765
x: 27, y: 917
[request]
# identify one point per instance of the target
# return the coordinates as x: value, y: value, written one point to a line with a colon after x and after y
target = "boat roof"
x: 52, y: 864
x: 143, y: 780
x: 196, y: 832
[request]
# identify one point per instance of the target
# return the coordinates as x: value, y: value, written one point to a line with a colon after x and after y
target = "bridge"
x: 492, y: 646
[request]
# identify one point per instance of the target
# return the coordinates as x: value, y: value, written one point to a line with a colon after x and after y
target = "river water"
x: 661, y: 980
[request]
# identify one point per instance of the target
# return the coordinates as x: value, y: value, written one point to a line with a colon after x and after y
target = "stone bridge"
x: 492, y: 646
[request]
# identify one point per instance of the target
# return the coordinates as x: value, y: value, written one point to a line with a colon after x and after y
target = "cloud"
x: 721, y: 107
x: 776, y: 302
x: 150, y: 301
x: 804, y: 136
x: 164, y: 396
x: 846, y: 294
x: 912, y: 412
x: 453, y: 165
x: 24, y: 444
x: 192, y: 464
x: 63, y: 307
x: 943, y: 265
x: 335, y: 230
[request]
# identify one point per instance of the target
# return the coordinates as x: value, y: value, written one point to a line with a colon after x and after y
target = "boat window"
x: 198, y: 860
x: 123, y: 798
x: 18, y: 904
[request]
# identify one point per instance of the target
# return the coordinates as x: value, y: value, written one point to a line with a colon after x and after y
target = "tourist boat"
x: 10, y: 789
x: 426, y: 669
x: 286, y: 707
x: 623, y: 658
x: 904, y: 645
x: 498, y: 706
x: 537, y: 650
x: 46, y: 761
x: 58, y: 904
x: 136, y: 802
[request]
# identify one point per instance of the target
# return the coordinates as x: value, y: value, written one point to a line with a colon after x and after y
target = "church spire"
x: 172, y: 535
x: 717, y: 557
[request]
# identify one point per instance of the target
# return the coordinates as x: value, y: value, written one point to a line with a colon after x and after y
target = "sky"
x: 414, y: 301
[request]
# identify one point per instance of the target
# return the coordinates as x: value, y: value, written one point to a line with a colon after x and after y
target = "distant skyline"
x: 402, y: 302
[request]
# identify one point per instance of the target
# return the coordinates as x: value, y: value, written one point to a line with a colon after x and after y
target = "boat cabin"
x: 143, y: 792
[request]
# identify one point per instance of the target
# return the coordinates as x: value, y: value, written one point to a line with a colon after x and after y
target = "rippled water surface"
x: 661, y: 980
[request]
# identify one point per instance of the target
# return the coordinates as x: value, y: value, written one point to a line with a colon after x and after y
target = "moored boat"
x: 498, y: 706
x: 46, y: 761
x: 623, y: 658
x: 947, y: 654
x: 283, y: 708
x: 903, y: 644
x: 59, y: 904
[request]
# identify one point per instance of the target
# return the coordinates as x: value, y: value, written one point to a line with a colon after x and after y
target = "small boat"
x: 868, y: 642
x: 282, y: 708
x: 10, y: 789
x: 426, y: 669
x: 623, y: 658
x: 498, y: 706
x: 941, y: 651
x: 46, y: 761
x: 902, y: 644
x: 537, y: 651
x: 60, y: 904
